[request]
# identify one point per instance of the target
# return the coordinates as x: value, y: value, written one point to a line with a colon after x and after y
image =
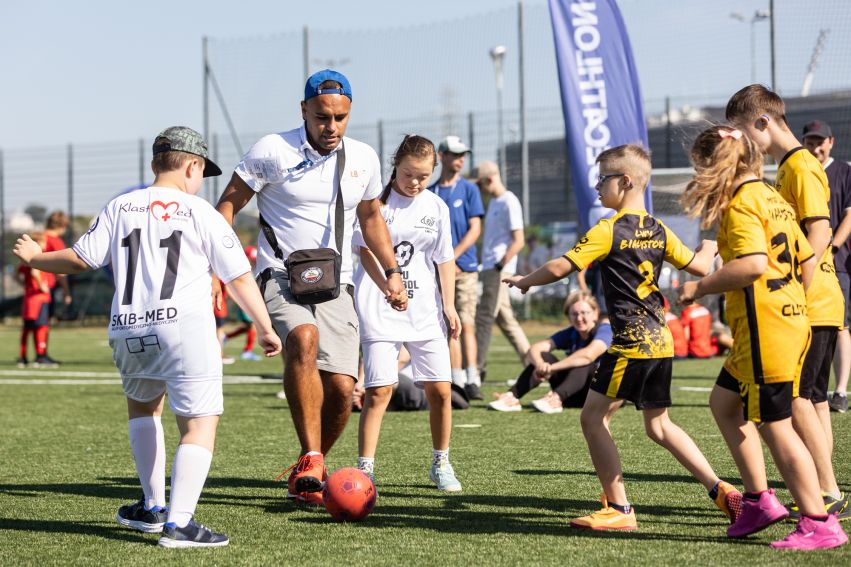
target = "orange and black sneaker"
x: 729, y: 500
x: 307, y: 477
x: 606, y: 519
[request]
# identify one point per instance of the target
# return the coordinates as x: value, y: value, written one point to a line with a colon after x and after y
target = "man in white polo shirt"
x: 295, y: 177
x: 503, y: 239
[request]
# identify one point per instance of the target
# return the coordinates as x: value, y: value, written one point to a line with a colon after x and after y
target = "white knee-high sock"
x: 188, y: 475
x: 147, y: 442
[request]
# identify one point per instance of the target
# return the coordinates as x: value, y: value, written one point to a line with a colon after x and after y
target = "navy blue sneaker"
x: 137, y: 517
x: 193, y: 535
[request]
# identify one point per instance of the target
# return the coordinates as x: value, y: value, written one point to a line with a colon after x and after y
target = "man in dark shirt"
x: 818, y: 138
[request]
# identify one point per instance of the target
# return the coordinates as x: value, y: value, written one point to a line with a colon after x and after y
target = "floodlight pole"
x: 524, y: 143
x: 773, y: 59
x: 305, y: 51
x: 497, y: 55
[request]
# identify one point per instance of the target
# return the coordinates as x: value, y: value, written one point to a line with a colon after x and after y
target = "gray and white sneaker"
x: 137, y: 517
x: 443, y: 475
x: 838, y: 403
x: 192, y: 535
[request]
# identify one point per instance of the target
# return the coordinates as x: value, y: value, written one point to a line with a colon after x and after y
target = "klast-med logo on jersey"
x: 164, y: 211
x: 312, y: 275
x: 159, y: 210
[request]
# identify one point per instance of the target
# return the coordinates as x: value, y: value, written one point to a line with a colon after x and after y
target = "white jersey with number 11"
x: 163, y: 245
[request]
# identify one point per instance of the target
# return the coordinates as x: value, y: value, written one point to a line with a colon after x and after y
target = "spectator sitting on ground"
x: 584, y: 342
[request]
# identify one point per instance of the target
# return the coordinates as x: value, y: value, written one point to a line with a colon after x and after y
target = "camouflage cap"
x: 183, y: 139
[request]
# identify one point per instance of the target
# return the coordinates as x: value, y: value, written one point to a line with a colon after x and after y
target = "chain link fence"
x: 437, y: 79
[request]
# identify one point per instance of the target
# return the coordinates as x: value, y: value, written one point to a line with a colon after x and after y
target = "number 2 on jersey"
x: 172, y: 244
x: 648, y: 286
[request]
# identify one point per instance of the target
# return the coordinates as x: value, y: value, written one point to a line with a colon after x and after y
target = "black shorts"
x: 760, y: 402
x: 646, y: 382
x: 42, y: 320
x: 815, y: 373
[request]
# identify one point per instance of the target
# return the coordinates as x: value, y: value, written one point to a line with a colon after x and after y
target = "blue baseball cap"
x: 311, y: 88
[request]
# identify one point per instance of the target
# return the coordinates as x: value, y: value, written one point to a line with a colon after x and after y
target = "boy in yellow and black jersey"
x: 761, y: 115
x: 630, y: 248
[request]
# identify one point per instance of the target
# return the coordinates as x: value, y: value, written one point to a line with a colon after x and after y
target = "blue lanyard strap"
x: 308, y: 163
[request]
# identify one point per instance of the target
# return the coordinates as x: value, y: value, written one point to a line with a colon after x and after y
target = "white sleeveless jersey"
x: 162, y: 246
x: 422, y: 237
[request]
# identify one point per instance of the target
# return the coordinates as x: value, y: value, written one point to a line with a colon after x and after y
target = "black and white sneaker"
x: 137, y: 517
x: 193, y: 535
x: 44, y: 361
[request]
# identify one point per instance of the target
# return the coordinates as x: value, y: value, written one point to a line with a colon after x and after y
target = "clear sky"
x: 96, y: 70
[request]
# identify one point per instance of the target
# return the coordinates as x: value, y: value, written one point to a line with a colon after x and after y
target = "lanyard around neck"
x: 307, y: 163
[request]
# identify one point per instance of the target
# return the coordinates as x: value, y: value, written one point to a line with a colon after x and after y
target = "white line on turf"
x: 52, y: 376
x: 39, y: 380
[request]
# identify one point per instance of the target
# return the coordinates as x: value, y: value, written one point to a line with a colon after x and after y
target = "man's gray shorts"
x: 336, y: 320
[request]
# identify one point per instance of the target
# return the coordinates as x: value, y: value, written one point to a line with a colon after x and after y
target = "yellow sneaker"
x: 606, y: 519
x: 729, y: 501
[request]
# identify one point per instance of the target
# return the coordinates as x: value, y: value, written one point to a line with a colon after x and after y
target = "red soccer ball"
x: 349, y: 495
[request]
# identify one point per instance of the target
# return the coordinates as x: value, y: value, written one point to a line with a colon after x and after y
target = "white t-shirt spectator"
x: 163, y: 246
x: 296, y: 193
x: 504, y: 215
x: 422, y: 237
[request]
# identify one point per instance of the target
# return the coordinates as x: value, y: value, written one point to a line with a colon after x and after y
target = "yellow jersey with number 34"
x: 802, y: 182
x: 630, y: 248
x: 768, y: 318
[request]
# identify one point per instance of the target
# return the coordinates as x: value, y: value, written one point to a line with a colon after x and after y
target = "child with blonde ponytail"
x: 768, y: 263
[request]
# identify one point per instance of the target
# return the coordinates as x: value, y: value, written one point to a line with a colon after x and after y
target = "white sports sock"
x: 147, y: 442
x: 440, y: 455
x: 473, y: 376
x: 366, y: 463
x: 188, y: 475
x: 459, y: 377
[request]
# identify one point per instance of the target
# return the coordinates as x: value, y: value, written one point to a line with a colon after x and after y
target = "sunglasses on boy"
x: 603, y: 178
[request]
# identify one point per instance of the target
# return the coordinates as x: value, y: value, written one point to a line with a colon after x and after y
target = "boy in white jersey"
x: 418, y: 222
x: 163, y: 244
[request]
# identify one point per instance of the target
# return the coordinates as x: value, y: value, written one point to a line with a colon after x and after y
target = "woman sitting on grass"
x: 584, y: 342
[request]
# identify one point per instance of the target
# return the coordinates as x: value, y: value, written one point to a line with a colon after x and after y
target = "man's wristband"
x: 834, y: 248
x: 390, y: 271
x: 499, y: 266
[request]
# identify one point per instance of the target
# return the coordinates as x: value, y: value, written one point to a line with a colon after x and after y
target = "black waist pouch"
x: 314, y: 275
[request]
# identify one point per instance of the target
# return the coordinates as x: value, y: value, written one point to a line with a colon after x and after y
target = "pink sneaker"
x: 756, y: 516
x: 812, y: 534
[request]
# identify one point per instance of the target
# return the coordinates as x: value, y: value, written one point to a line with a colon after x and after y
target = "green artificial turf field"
x: 65, y: 468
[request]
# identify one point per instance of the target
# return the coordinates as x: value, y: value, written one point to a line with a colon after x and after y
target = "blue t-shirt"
x: 464, y: 203
x: 569, y: 340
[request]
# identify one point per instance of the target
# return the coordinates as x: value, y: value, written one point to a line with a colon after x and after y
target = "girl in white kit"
x: 418, y: 222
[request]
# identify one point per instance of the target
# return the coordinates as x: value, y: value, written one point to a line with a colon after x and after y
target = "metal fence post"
x: 668, y: 131
x: 70, y: 234
x: 215, y: 149
x: 381, y: 145
x: 141, y: 161
x: 471, y: 143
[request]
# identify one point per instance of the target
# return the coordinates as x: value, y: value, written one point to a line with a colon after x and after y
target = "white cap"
x: 453, y: 144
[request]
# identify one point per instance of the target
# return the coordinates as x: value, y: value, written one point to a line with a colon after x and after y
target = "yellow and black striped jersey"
x: 802, y: 182
x: 769, y: 317
x: 631, y: 247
